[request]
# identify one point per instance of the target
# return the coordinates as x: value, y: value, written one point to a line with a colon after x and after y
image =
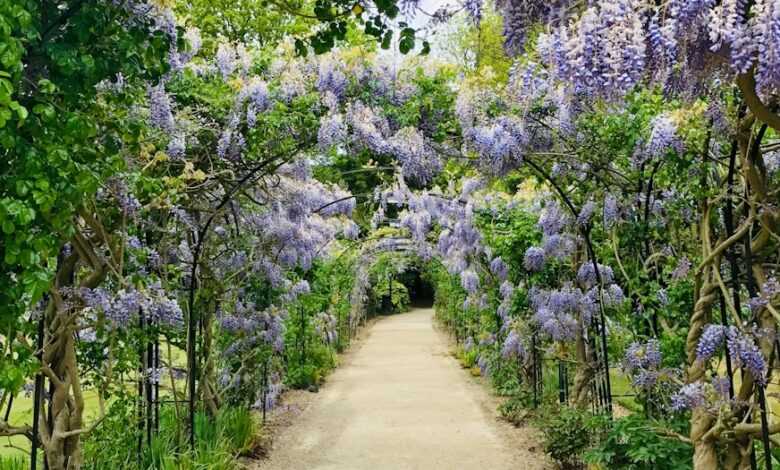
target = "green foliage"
x: 58, y: 142
x: 480, y: 51
x: 516, y: 409
x: 566, y: 435
x: 468, y: 359
x: 245, y: 21
x: 388, y: 294
x: 633, y: 443
x: 309, y: 355
x: 219, y: 441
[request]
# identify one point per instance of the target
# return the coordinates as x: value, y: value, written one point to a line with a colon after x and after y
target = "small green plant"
x: 632, y: 443
x: 468, y: 359
x: 566, y: 435
x: 517, y: 409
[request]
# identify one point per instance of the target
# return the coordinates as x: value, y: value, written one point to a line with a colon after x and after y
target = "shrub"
x: 517, y: 409
x: 631, y: 443
x: 566, y: 435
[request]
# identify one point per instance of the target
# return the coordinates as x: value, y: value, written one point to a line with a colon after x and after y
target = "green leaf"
x: 426, y: 48
x: 300, y: 48
x: 8, y: 228
x: 387, y: 39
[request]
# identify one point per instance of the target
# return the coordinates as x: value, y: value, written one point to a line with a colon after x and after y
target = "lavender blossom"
x: 499, y: 268
x: 469, y: 280
x: 160, y: 111
x: 710, y: 342
x: 534, y: 259
x: 690, y: 396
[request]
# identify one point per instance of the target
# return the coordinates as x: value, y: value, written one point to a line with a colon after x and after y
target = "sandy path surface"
x: 401, y: 402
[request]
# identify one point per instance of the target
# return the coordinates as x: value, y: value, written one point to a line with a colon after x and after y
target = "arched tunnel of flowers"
x: 204, y: 205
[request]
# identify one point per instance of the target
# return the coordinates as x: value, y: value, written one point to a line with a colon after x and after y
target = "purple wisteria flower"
x: 332, y: 131
x: 160, y: 109
x: 513, y: 346
x: 746, y: 354
x: 711, y: 340
x: 418, y: 162
x: 643, y: 356
x: 506, y: 290
x: 499, y: 268
x: 587, y: 276
x: 331, y: 79
x: 611, y: 210
x: 469, y: 280
x: 553, y: 219
x: 351, y: 231
x: 682, y: 269
x: 690, y: 396
x: 226, y: 60
x: 663, y: 137
x: 534, y: 259
x: 586, y: 213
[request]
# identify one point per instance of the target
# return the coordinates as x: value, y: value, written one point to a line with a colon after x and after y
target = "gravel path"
x: 401, y: 401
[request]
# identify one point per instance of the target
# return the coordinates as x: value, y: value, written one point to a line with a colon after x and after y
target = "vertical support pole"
x: 141, y: 383
x: 534, y: 369
x: 265, y: 388
x: 302, y: 350
x: 192, y: 371
x: 37, y: 396
x: 390, y: 289
x: 561, y: 397
x: 157, y: 385
x: 150, y: 369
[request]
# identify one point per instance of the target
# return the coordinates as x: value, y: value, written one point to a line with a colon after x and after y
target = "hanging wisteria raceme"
x: 611, y: 46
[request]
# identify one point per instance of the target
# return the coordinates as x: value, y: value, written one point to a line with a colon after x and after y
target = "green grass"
x: 621, y: 385
x: 21, y: 414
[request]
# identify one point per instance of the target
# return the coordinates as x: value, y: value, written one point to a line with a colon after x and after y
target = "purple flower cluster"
x: 741, y: 346
x: 418, y: 162
x: 711, y: 340
x: 553, y: 219
x: 331, y: 79
x: 474, y: 10
x: 534, y: 259
x: 499, y: 145
x: 469, y: 280
x: 226, y: 60
x: 370, y: 129
x: 746, y: 354
x: 586, y: 213
x: 663, y: 137
x: 682, y: 269
x: 690, y: 396
x: 611, y: 211
x: 332, y: 131
x: 252, y: 327
x: 587, y: 276
x: 557, y: 311
x: 513, y: 346
x: 499, y: 268
x: 160, y: 110
x: 506, y: 290
x: 351, y: 230
x: 642, y: 356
